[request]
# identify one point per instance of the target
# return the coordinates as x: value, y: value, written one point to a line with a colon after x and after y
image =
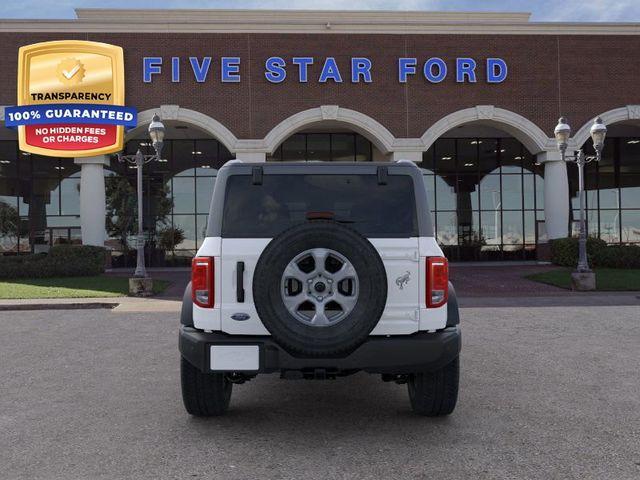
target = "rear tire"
x: 204, y: 394
x: 434, y: 394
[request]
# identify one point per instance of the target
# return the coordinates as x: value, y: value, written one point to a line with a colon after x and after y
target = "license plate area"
x: 234, y: 358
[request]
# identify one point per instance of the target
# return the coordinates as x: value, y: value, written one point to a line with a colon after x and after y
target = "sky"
x: 542, y: 10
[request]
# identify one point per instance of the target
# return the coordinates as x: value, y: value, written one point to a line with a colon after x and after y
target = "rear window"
x: 282, y: 201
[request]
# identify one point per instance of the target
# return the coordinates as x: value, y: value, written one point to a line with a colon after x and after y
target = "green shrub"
x: 618, y: 256
x: 61, y: 261
x: 564, y: 252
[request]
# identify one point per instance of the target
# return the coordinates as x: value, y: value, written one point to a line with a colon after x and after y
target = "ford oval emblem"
x: 240, y: 317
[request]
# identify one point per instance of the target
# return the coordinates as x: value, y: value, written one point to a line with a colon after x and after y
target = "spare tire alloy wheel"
x: 319, y: 287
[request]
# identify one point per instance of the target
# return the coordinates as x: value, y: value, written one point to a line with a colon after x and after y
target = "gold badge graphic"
x: 78, y: 80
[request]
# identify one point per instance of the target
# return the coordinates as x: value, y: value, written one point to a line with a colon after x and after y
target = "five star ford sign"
x: 70, y: 99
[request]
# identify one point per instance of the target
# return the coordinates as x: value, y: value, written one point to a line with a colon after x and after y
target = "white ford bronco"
x: 319, y: 270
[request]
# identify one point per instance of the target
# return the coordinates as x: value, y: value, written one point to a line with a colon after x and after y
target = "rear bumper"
x: 399, y: 354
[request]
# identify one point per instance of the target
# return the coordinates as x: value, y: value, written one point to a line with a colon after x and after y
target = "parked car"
x: 315, y: 271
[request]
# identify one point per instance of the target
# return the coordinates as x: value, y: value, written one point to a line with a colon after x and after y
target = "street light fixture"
x: 156, y: 133
x: 562, y: 133
x: 598, y: 133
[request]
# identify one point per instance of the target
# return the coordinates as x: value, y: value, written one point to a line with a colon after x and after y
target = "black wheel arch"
x: 453, y: 312
x: 186, y: 313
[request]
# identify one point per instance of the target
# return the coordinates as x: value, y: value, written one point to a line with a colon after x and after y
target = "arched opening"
x: 513, y: 124
x: 176, y: 191
x: 329, y: 133
x: 486, y: 193
x: 612, y: 186
x: 327, y: 142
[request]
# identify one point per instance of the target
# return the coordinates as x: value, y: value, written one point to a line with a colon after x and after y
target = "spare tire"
x: 320, y: 288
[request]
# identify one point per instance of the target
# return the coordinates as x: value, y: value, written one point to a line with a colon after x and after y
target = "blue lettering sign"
x: 496, y: 70
x: 406, y: 66
x: 360, y: 67
x: 303, y: 64
x: 230, y: 70
x: 151, y: 66
x: 275, y: 69
x: 465, y: 67
x: 175, y: 69
x: 200, y: 71
x: 330, y: 71
x: 434, y: 69
x: 428, y: 70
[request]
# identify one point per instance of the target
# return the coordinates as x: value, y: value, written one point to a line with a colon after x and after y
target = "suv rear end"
x: 318, y: 270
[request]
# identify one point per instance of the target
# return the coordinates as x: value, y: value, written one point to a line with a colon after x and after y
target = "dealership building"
x: 471, y: 98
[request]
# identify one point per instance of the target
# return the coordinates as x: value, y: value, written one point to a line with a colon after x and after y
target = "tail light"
x: 437, y: 281
x: 202, y: 281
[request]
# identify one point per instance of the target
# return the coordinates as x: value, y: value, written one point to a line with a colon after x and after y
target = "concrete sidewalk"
x: 117, y: 304
x: 178, y: 278
x: 159, y: 304
x: 477, y: 285
x: 501, y: 280
x: 568, y: 299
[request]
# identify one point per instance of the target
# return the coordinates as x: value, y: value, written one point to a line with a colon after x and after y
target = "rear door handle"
x: 240, y: 282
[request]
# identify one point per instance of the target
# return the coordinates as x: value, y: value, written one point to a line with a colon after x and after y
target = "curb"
x: 57, y: 306
x: 574, y: 299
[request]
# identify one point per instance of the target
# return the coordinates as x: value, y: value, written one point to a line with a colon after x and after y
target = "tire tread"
x: 434, y: 394
x: 204, y: 394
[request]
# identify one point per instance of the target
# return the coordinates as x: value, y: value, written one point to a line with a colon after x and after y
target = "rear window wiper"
x: 346, y: 220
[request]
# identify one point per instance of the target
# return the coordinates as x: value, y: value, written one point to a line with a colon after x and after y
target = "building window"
x: 612, y: 190
x: 325, y: 147
x: 39, y: 201
x: 486, y: 195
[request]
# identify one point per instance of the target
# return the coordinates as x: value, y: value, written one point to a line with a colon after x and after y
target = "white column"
x: 556, y: 194
x: 410, y: 155
x: 251, y: 156
x: 92, y: 199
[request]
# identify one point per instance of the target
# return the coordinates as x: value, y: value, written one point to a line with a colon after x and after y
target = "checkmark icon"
x: 71, y: 73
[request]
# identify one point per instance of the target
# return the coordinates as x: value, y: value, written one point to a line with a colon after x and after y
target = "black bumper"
x: 398, y: 354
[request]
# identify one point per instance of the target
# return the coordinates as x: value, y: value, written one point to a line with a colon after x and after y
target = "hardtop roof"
x: 310, y: 166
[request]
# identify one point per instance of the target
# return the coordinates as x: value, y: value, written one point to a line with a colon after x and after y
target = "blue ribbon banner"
x: 70, y: 113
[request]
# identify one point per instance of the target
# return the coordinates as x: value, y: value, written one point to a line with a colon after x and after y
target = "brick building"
x: 472, y: 98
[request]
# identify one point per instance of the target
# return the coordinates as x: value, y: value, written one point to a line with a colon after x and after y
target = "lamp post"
x: 562, y: 133
x: 156, y: 133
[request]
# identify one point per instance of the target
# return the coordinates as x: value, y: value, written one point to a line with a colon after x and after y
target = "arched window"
x: 326, y: 147
x: 486, y: 195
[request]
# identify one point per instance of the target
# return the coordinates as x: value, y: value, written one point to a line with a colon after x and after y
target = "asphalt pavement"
x: 547, y: 392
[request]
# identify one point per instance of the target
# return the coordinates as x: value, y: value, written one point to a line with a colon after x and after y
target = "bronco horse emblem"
x: 402, y: 280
